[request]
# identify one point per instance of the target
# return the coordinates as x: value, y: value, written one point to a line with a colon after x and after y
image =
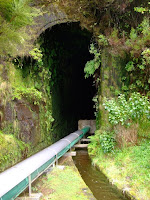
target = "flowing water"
x: 96, y: 180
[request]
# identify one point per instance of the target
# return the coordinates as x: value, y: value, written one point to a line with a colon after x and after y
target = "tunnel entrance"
x: 66, y: 51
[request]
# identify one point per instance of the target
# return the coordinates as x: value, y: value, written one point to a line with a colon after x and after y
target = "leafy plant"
x: 107, y: 141
x: 102, y: 40
x: 36, y: 53
x: 30, y: 93
x: 130, y: 66
x: 93, y: 145
x: 138, y: 73
x: 92, y: 65
x: 126, y: 112
x: 146, y: 56
x: 142, y: 9
x: 132, y: 45
x: 101, y: 142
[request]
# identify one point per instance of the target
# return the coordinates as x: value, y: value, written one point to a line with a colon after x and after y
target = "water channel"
x: 96, y: 180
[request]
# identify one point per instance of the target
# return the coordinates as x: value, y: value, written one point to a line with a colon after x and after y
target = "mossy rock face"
x: 111, y: 73
x: 23, y: 117
x: 27, y: 116
x: 18, y: 116
x: 11, y: 151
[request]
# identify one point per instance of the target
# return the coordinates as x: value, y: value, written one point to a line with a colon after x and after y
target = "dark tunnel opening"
x: 66, y: 51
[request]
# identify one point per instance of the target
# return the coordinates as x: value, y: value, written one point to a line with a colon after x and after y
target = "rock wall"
x: 50, y: 16
x: 110, y: 82
x: 18, y: 114
x: 23, y: 117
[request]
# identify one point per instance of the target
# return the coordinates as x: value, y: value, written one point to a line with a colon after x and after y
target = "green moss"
x: 11, y: 150
x: 22, y: 84
x: 5, y: 88
x: 46, y: 120
x: 27, y: 84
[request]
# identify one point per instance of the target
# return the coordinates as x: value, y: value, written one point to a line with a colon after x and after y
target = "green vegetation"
x: 29, y: 93
x: 92, y: 65
x: 107, y: 142
x: 63, y: 183
x: 12, y: 150
x: 62, y: 187
x: 144, y: 128
x: 121, y: 149
x: 120, y: 66
x: 127, y: 112
x: 128, y: 168
x: 126, y: 41
x: 20, y: 83
x: 118, y: 147
x: 25, y: 85
x: 15, y: 15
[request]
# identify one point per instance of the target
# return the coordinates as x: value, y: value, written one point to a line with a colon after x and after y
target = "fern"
x: 15, y: 15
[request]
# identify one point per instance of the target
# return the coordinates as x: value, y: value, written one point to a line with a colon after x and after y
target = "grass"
x: 66, y: 185
x: 144, y: 128
x: 128, y: 169
x: 63, y: 184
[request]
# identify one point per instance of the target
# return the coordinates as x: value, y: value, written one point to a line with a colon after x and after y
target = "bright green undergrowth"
x: 122, y: 150
x: 63, y: 188
x: 15, y: 15
x: 12, y: 150
x: 31, y: 94
x: 125, y: 112
x: 128, y: 168
x: 63, y: 184
x: 144, y: 128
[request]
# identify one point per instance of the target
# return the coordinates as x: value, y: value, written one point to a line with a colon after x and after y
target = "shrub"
x: 125, y: 112
x: 31, y: 94
x: 94, y: 144
x: 92, y: 65
x: 107, y: 142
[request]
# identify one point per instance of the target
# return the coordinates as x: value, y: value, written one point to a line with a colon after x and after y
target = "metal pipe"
x: 15, y: 180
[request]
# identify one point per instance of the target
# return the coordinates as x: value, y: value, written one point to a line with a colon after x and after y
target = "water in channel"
x: 96, y: 180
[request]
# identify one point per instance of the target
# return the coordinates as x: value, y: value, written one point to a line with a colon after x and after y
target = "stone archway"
x: 50, y: 17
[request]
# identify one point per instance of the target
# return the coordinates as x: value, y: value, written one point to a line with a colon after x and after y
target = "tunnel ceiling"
x: 66, y: 51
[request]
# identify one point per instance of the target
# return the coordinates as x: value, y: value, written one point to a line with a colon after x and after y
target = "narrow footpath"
x: 63, y: 182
